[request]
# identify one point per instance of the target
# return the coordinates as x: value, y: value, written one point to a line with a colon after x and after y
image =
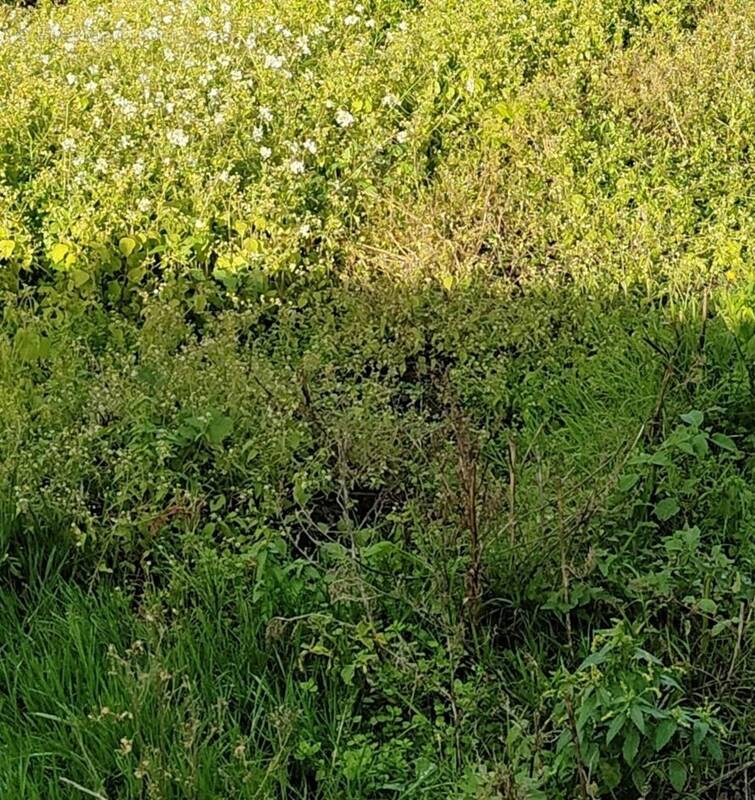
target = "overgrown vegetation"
x: 376, y: 385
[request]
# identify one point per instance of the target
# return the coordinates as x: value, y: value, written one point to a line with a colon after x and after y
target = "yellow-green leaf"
x: 6, y: 248
x: 127, y: 245
x: 59, y: 252
x: 79, y: 277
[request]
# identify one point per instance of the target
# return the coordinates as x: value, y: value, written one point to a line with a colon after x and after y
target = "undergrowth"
x: 376, y: 387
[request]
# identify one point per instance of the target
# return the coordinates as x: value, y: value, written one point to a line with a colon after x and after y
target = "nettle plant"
x: 623, y: 720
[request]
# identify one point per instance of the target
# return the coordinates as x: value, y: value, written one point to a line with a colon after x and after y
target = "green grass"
x: 410, y: 457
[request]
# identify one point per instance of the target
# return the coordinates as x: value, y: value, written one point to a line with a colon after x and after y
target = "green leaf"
x: 300, y: 493
x: 663, y: 733
x: 377, y: 549
x: 6, y: 248
x: 694, y: 418
x: 127, y: 245
x: 626, y: 482
x: 714, y: 748
x: 79, y: 277
x: 699, y: 732
x: 677, y: 774
x: 724, y: 442
x: 631, y: 745
x: 27, y: 342
x: 707, y: 606
x: 635, y: 712
x: 347, y: 674
x: 136, y: 274
x: 220, y: 426
x: 666, y: 508
x: 640, y: 780
x: 700, y: 444
x: 617, y: 723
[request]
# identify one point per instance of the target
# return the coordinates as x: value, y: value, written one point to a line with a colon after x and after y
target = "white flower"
x: 469, y: 85
x: 274, y: 62
x: 257, y: 133
x: 236, y: 75
x: 302, y: 45
x: 265, y: 153
x: 310, y: 146
x: 219, y: 118
x: 71, y: 78
x: 343, y: 118
x: 178, y: 137
x: 125, y: 141
x: 390, y: 100
x: 68, y: 144
x: 100, y: 165
x: 144, y: 205
x: 352, y: 19
x: 296, y: 166
x: 266, y: 115
x: 304, y: 229
x: 402, y: 136
x: 138, y: 168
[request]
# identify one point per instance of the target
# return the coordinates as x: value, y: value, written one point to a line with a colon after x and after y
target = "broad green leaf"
x: 700, y: 444
x: 699, y: 732
x: 659, y: 459
x: 694, y: 418
x: 617, y: 723
x: 79, y: 277
x: 626, y: 482
x: 666, y: 508
x: 635, y: 712
x: 220, y: 426
x: 707, y: 606
x: 377, y: 549
x: 631, y: 745
x: 724, y: 442
x: 127, y: 245
x: 714, y: 748
x: 640, y: 779
x: 663, y: 733
x: 677, y: 774
x: 136, y: 274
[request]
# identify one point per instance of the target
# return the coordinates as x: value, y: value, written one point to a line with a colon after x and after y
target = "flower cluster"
x: 210, y: 134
